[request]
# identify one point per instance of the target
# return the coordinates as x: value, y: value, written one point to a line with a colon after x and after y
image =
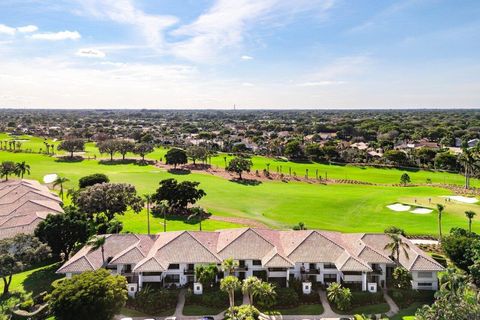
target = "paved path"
x: 393, y: 306
x: 424, y: 241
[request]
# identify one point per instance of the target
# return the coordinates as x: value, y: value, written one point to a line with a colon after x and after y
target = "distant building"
x: 23, y: 204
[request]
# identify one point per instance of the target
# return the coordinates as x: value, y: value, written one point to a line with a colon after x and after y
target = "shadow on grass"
x: 184, y: 218
x: 197, y: 166
x: 69, y: 159
x: 179, y: 171
x: 247, y: 182
x: 41, y: 280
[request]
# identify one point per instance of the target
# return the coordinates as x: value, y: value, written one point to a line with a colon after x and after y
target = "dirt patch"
x: 245, y: 221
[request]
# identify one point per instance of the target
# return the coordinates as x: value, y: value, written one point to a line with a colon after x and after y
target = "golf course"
x: 277, y: 204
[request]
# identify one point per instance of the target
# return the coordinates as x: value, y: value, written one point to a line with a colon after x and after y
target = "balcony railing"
x: 241, y: 268
x: 188, y: 271
x: 310, y: 271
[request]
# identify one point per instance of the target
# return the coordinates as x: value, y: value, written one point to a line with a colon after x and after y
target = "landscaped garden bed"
x: 211, y: 302
x: 158, y: 302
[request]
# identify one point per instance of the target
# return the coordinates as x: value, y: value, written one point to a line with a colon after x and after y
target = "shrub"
x: 154, y: 300
x: 216, y: 298
x: 366, y: 298
x: 244, y: 312
x: 286, y: 297
x: 92, y: 179
x: 27, y: 305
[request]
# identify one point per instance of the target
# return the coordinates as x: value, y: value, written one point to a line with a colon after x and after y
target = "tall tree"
x: 63, y: 232
x: 469, y: 161
x: 440, y: 208
x: 98, y: 242
x: 178, y: 194
x: 148, y: 201
x: 239, y: 165
x: 229, y: 265
x: 72, y: 145
x: 197, y: 153
x: 230, y: 284
x: 110, y: 199
x: 18, y: 254
x: 470, y: 215
x: 142, y: 149
x: 110, y: 147
x: 197, y: 213
x: 7, y: 168
x: 396, y: 245
x: 176, y: 156
x: 22, y: 168
x: 59, y: 182
x: 124, y: 147
x: 250, y: 286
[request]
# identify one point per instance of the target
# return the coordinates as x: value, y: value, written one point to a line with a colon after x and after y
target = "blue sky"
x: 252, y: 53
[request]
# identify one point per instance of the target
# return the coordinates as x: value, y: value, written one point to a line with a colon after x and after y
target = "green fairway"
x: 367, y: 174
x: 342, y: 207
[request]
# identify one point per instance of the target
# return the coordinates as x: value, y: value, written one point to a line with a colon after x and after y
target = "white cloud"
x: 27, y: 29
x: 7, y: 30
x: 57, y: 36
x: 90, y: 53
x: 125, y: 12
x: 225, y: 25
x: 246, y: 57
x: 248, y: 84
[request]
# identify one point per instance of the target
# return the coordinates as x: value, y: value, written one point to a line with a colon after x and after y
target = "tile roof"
x: 23, y: 204
x: 275, y: 248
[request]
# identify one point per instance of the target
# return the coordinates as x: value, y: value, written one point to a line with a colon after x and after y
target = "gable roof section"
x: 274, y: 260
x: 315, y: 247
x: 248, y: 244
x: 184, y: 247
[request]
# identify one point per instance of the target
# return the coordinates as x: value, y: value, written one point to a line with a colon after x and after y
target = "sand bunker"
x: 421, y: 211
x: 398, y: 207
x: 463, y: 199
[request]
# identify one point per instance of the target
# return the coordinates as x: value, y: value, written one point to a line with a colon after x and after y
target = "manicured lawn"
x: 371, y: 309
x: 34, y: 281
x: 134, y: 313
x: 303, y: 309
x: 342, y: 207
x: 197, y: 310
x: 408, y: 313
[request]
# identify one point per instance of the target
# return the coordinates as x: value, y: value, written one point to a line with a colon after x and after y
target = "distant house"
x: 278, y: 256
x: 23, y: 204
x: 359, y: 145
x: 422, y: 143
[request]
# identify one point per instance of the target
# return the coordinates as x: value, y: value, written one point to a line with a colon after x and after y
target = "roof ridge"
x: 309, y: 235
x: 205, y: 247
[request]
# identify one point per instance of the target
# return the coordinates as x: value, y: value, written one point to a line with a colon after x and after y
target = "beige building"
x: 23, y: 204
x: 309, y: 255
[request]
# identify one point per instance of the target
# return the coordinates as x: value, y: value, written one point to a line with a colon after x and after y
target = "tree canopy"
x: 94, y: 295
x: 178, y: 194
x: 109, y: 198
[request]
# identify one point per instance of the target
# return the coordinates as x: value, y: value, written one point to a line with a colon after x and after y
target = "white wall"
x: 416, y: 279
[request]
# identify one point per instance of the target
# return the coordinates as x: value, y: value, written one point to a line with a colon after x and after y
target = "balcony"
x: 310, y: 271
x: 241, y: 268
x: 188, y: 272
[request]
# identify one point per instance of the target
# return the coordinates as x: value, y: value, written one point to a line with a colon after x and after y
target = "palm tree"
x: 440, y: 208
x: 470, y: 214
x: 469, y: 162
x: 73, y: 194
x: 266, y: 292
x: 22, y: 168
x: 229, y: 284
x: 59, y: 182
x: 148, y: 200
x: 162, y: 207
x: 250, y: 286
x: 98, y: 243
x: 229, y: 265
x: 197, y: 213
x: 395, y: 245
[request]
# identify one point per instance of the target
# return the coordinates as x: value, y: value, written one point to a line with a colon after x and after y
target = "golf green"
x: 342, y: 207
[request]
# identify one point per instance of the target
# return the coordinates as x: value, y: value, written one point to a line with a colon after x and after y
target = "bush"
x: 309, y: 298
x: 92, y: 179
x: 216, y: 299
x: 245, y: 312
x: 404, y: 298
x: 154, y: 301
x: 286, y: 297
x: 366, y: 298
